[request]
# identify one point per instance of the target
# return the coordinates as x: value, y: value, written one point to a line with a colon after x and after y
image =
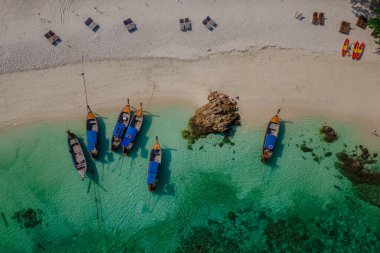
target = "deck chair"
x: 182, y: 25
x: 345, y: 27
x: 321, y: 18
x: 188, y: 25
x: 55, y: 36
x: 362, y: 22
x: 314, y: 19
x: 130, y: 25
x: 211, y: 21
x: 208, y: 25
x: 50, y: 39
x: 92, y: 24
x: 298, y: 15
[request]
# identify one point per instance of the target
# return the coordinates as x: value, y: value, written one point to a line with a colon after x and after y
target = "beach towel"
x: 53, y: 38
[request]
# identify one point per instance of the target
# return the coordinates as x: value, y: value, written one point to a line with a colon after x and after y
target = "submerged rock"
x: 29, y: 218
x: 217, y: 116
x: 328, y: 133
x: 357, y: 168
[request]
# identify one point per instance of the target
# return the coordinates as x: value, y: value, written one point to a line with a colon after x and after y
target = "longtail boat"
x: 132, y: 131
x: 154, y: 164
x: 271, y: 135
x: 345, y: 47
x: 77, y: 155
x: 121, y: 126
x: 92, y: 134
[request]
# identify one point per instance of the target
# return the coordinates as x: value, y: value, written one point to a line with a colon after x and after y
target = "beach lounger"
x: 182, y: 25
x: 321, y: 18
x: 345, y: 27
x: 185, y: 24
x: 314, y: 19
x: 130, y: 25
x: 211, y: 21
x: 92, y: 24
x: 298, y: 15
x: 52, y: 38
x: 362, y: 22
x: 188, y: 24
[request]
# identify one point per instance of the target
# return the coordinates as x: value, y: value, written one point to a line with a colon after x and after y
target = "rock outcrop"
x: 329, y: 134
x: 217, y: 116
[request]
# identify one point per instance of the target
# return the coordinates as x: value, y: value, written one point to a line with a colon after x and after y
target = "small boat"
x: 360, y: 51
x: 270, y: 138
x: 345, y: 47
x: 154, y: 164
x: 355, y: 50
x: 92, y: 134
x: 132, y: 131
x: 77, y: 155
x: 121, y: 126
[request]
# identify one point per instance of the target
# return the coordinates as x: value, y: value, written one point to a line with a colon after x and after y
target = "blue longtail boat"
x: 121, y: 126
x: 132, y: 131
x: 154, y: 164
x: 271, y: 135
x: 92, y: 134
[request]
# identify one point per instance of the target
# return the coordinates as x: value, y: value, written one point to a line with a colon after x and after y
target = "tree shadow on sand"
x: 364, y: 7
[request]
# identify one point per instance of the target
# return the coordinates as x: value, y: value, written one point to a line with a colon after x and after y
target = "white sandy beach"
x: 259, y: 52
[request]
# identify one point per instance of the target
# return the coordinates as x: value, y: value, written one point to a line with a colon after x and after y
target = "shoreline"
x: 300, y: 83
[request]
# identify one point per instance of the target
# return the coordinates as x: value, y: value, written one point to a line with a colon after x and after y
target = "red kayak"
x: 355, y: 50
x: 360, y: 50
x: 345, y: 47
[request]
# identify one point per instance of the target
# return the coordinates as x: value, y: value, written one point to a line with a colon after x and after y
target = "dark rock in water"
x: 217, y: 116
x: 4, y: 219
x: 357, y: 168
x: 231, y: 216
x: 29, y: 218
x: 305, y: 148
x: 328, y: 154
x: 189, y: 147
x: 328, y: 133
x: 262, y: 215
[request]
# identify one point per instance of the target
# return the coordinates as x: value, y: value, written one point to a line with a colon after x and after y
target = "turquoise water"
x: 209, y: 199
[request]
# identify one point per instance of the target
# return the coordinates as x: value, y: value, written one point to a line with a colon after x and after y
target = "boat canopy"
x: 152, y: 172
x: 129, y: 136
x: 119, y: 130
x: 91, y: 140
x: 270, y: 141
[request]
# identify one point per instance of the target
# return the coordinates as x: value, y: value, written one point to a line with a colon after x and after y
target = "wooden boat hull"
x: 92, y: 134
x: 77, y: 155
x: 345, y: 47
x: 270, y: 139
x: 132, y: 131
x: 154, y: 164
x: 121, y: 127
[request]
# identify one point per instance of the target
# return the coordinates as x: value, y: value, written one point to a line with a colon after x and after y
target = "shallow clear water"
x: 211, y: 198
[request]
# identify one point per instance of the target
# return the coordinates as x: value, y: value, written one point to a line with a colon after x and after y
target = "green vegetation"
x: 375, y: 24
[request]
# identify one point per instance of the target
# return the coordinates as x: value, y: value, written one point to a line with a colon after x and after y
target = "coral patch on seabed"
x: 28, y: 218
x: 359, y: 168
